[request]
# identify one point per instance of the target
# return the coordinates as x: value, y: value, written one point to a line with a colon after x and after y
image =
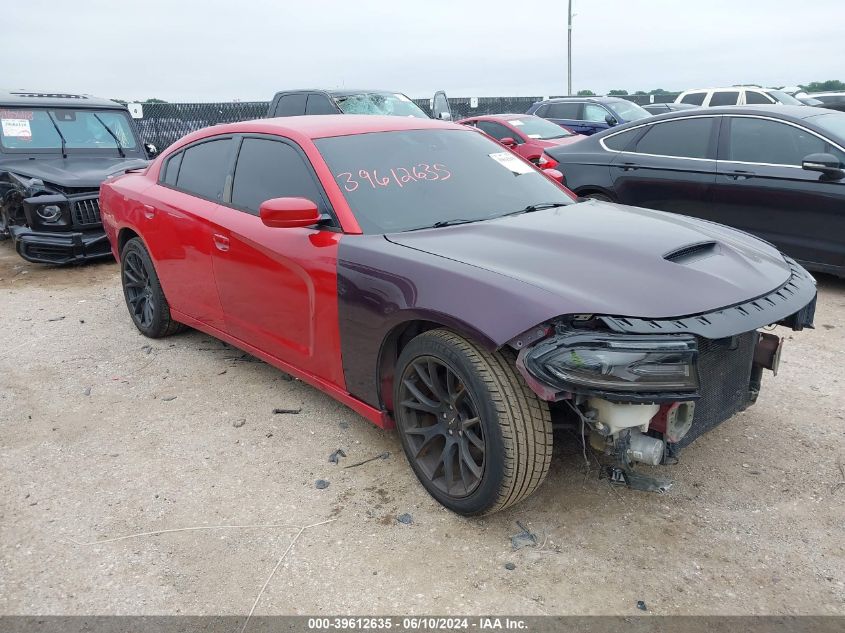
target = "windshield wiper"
x: 536, y: 207
x: 112, y: 134
x: 59, y: 132
x: 442, y: 223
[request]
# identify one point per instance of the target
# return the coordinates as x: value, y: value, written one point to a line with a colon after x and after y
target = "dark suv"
x: 588, y: 115
x: 55, y: 150
x: 299, y: 102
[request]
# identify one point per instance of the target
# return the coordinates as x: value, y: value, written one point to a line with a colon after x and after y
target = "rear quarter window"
x: 724, y: 98
x: 694, y: 98
x: 171, y: 169
x: 291, y: 105
x: 621, y: 141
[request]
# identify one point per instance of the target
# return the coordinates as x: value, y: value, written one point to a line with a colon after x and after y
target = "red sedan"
x: 423, y: 275
x: 526, y: 134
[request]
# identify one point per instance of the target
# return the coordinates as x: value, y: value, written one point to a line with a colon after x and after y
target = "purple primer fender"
x: 495, y: 279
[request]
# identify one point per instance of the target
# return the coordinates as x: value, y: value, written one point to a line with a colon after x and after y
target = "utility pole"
x: 569, y: 53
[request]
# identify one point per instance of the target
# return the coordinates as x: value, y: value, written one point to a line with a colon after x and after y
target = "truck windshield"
x: 391, y: 104
x: 36, y: 129
x: 413, y: 179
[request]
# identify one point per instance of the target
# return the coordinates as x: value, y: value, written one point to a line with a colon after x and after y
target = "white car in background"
x: 736, y: 95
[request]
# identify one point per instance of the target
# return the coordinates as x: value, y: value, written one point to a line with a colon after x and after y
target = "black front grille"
x: 724, y: 370
x: 86, y: 212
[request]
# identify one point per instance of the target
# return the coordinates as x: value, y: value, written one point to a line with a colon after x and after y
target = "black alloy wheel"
x: 145, y: 299
x: 443, y: 426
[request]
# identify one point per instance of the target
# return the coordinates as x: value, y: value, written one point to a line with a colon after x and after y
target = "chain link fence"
x: 165, y: 123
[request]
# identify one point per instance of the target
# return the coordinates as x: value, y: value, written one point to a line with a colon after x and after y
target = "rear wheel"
x: 598, y: 196
x: 476, y: 436
x: 145, y: 299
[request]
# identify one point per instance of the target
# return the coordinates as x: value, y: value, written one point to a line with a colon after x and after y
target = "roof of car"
x: 340, y: 92
x: 593, y: 98
x: 322, y: 126
x: 508, y: 116
x: 36, y: 98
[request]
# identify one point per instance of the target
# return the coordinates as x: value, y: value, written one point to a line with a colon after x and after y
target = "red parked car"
x: 526, y: 134
x: 424, y: 276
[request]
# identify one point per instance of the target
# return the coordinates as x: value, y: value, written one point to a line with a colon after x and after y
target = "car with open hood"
x: 55, y: 150
x: 417, y: 272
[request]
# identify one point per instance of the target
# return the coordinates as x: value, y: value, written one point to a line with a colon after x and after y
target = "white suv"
x: 736, y: 95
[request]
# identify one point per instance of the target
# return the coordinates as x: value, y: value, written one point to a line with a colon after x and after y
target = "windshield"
x: 833, y: 123
x: 391, y: 104
x: 782, y: 97
x: 535, y: 127
x: 43, y: 129
x: 628, y: 111
x: 406, y: 180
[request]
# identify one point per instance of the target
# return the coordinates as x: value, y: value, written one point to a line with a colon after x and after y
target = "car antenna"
x: 112, y: 134
x: 59, y: 132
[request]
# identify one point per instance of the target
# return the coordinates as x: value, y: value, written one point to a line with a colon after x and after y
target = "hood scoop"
x: 692, y: 252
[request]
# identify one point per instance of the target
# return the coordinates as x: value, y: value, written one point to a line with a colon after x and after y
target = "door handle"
x: 221, y: 242
x: 740, y: 174
x: 149, y: 211
x: 630, y: 166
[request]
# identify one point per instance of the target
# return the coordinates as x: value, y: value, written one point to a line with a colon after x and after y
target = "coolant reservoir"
x: 615, y: 416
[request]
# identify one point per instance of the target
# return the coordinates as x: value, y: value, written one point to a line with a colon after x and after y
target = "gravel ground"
x: 106, y: 434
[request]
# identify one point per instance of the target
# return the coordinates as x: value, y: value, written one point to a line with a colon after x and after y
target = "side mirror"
x: 827, y: 164
x: 151, y: 150
x: 555, y: 175
x: 285, y: 213
x: 508, y: 141
x: 610, y: 120
x: 445, y: 116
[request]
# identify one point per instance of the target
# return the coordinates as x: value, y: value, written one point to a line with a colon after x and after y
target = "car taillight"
x: 546, y: 162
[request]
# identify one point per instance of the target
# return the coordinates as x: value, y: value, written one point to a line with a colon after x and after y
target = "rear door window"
x: 694, y: 98
x: 319, y: 104
x: 724, y: 97
x: 270, y: 169
x: 204, y: 168
x: 291, y: 105
x: 570, y: 110
x: 684, y: 138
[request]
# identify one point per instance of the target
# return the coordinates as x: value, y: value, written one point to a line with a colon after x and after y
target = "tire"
x: 457, y: 403
x: 145, y: 299
x: 599, y: 196
x: 4, y: 224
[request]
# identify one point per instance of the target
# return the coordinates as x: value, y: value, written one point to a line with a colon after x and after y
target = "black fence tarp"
x: 164, y: 123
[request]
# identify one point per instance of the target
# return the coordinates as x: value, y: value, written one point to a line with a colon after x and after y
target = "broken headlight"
x: 594, y: 361
x: 49, y: 213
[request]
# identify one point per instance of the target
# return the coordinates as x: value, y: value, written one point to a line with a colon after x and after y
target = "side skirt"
x: 376, y: 416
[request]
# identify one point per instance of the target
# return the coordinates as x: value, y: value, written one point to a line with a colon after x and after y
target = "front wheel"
x: 477, y: 438
x: 145, y: 299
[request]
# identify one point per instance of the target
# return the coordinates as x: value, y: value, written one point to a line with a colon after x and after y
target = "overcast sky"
x: 188, y: 50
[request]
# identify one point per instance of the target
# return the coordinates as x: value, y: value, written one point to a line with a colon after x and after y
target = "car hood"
x: 610, y: 259
x: 73, y: 171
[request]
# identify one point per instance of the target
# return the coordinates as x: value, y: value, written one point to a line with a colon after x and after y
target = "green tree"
x: 824, y: 86
x: 586, y: 93
x: 155, y: 101
x: 640, y: 92
x: 659, y: 91
x: 617, y: 93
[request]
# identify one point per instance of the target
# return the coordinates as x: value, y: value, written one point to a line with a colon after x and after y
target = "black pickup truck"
x: 55, y: 150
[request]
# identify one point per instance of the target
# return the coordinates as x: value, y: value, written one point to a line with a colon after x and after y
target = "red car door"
x: 178, y: 218
x: 278, y: 286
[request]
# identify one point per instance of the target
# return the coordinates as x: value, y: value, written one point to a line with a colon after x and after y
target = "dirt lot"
x: 105, y: 434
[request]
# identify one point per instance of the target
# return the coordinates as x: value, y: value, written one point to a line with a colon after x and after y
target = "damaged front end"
x: 51, y: 224
x: 643, y: 389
